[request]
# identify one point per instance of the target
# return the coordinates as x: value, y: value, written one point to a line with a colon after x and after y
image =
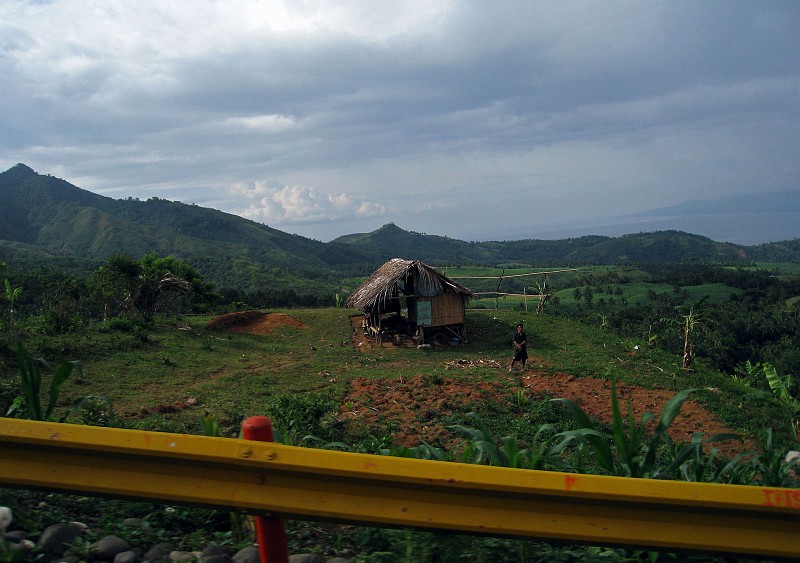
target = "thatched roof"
x: 381, y: 285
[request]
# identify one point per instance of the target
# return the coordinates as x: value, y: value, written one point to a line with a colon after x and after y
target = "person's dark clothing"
x: 521, y: 354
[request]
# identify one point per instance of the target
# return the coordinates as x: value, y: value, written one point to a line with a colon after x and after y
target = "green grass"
x: 780, y: 267
x: 233, y: 375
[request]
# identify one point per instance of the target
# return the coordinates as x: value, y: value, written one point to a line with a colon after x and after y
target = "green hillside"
x: 657, y: 247
x: 48, y: 221
x: 390, y: 241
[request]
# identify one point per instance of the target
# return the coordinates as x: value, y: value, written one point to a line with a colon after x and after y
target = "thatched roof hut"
x: 432, y: 300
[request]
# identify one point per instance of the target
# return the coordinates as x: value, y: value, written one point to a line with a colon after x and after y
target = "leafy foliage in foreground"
x: 30, y: 401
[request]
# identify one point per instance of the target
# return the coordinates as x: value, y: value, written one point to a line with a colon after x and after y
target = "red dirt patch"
x: 412, y: 405
x: 594, y: 397
x: 253, y: 322
x: 165, y: 408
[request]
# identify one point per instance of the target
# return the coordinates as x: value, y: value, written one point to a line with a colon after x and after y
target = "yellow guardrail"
x: 359, y: 488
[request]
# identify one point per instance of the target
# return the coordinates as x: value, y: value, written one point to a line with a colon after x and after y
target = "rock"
x: 184, y: 556
x: 306, y: 558
x: 108, y: 547
x: 140, y: 524
x: 216, y: 554
x: 211, y: 550
x: 21, y: 550
x: 5, y: 518
x: 340, y: 560
x: 55, y: 537
x: 133, y: 522
x: 130, y: 556
x: 159, y: 552
x: 247, y: 554
x: 16, y: 536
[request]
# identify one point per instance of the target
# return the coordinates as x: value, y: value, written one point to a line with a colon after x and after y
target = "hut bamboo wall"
x: 445, y: 309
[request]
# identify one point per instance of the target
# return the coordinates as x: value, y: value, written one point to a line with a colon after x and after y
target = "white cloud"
x: 291, y: 205
x: 466, y: 115
x: 269, y: 123
x: 369, y: 209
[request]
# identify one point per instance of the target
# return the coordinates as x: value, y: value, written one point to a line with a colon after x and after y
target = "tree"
x: 116, y: 282
x: 543, y: 294
x: 150, y: 284
x: 159, y: 276
x: 588, y: 296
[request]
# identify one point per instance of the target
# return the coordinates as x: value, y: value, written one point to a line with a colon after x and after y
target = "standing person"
x: 520, y: 342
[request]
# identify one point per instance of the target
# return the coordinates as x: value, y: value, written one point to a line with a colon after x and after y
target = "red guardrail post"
x: 270, y: 533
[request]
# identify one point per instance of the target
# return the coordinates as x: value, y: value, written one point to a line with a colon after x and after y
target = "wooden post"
x: 497, y: 290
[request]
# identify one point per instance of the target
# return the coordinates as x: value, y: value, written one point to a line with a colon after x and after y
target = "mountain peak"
x: 21, y: 169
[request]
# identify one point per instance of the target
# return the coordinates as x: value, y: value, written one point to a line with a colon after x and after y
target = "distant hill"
x: 745, y: 219
x: 64, y: 219
x: 663, y: 246
x: 47, y: 221
x: 390, y: 241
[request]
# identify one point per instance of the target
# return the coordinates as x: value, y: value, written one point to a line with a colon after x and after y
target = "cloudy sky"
x: 469, y: 119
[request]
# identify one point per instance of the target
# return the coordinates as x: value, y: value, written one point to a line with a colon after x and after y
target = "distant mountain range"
x: 741, y: 219
x: 47, y: 221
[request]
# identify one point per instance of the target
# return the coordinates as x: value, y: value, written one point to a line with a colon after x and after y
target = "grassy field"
x: 167, y: 378
x: 300, y: 371
x: 624, y: 283
x: 633, y: 293
x: 780, y: 267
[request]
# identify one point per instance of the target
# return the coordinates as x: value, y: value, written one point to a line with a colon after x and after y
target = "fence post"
x: 270, y: 533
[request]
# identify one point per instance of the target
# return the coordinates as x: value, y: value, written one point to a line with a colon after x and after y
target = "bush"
x: 310, y: 414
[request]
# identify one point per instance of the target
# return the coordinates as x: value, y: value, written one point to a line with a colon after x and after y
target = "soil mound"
x: 253, y: 322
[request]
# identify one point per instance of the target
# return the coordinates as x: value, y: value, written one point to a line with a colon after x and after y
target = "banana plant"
x: 781, y: 387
